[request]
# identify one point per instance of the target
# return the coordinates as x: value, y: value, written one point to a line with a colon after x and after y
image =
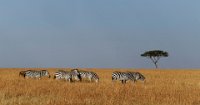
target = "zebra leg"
x: 96, y: 80
x: 123, y: 81
x: 37, y: 77
x: 24, y: 76
x: 77, y: 78
x: 70, y: 80
x: 134, y: 81
x: 90, y: 79
x: 80, y: 78
x: 54, y: 77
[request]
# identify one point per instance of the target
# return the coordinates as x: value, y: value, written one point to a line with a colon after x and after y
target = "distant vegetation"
x: 155, y: 55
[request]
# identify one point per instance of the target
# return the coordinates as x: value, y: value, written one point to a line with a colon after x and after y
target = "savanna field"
x: 162, y: 87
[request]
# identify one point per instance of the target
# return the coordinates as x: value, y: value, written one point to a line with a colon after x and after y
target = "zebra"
x: 36, y: 74
x: 67, y: 75
x: 22, y: 73
x: 122, y: 76
x: 61, y: 74
x: 76, y: 74
x: 137, y: 76
x: 91, y: 76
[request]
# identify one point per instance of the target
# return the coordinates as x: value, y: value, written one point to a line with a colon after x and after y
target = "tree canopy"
x: 155, y: 55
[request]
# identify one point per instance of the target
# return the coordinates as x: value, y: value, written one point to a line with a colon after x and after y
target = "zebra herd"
x: 77, y: 75
x: 80, y: 75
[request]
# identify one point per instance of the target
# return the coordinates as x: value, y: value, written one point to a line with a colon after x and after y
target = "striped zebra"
x: 67, y: 75
x: 36, y: 74
x: 22, y: 73
x: 61, y: 74
x: 76, y: 74
x: 137, y: 76
x: 122, y: 76
x: 91, y: 76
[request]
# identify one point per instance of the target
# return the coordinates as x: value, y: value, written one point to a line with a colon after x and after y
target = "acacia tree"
x: 155, y: 55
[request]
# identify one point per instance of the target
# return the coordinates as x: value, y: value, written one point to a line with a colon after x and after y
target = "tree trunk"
x: 156, y: 65
x: 155, y: 61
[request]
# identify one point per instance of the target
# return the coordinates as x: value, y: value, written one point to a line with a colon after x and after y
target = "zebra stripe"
x: 61, y: 74
x: 36, y: 74
x: 122, y: 76
x: 137, y: 76
x: 67, y: 75
x: 91, y: 76
x: 22, y: 73
x: 75, y: 74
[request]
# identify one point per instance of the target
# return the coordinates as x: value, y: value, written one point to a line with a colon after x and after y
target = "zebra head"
x: 76, y: 74
x: 95, y: 77
x: 22, y: 73
x: 115, y: 75
x: 45, y: 73
x: 97, y: 80
x: 141, y: 77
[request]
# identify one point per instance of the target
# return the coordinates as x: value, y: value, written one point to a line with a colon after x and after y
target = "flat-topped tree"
x: 155, y: 55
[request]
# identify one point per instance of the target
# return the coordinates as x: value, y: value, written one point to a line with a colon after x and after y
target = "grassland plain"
x: 162, y: 87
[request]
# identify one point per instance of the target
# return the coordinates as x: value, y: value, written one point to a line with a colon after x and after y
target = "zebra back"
x: 36, y: 74
x: 122, y: 76
x: 137, y: 76
x: 89, y: 75
x: 61, y: 74
x: 45, y: 73
x: 23, y: 73
x: 95, y: 77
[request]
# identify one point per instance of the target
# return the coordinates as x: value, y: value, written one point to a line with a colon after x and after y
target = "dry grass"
x: 163, y: 87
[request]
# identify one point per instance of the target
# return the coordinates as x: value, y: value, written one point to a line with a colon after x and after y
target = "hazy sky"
x: 99, y: 33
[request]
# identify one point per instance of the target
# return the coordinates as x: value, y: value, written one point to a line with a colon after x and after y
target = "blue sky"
x: 101, y: 34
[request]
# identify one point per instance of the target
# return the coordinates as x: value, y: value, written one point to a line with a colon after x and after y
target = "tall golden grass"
x: 162, y: 87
